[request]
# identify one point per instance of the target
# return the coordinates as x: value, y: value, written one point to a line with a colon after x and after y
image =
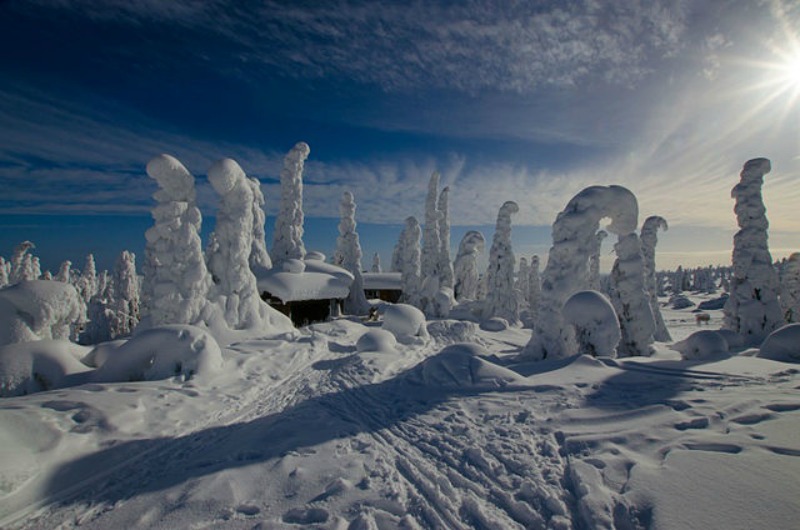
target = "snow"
x: 37, y: 309
x: 300, y: 283
x: 287, y: 239
x: 465, y: 268
x: 404, y: 321
x: 783, y: 344
x: 702, y: 344
x: 596, y: 326
x: 463, y: 366
x: 501, y: 300
x: 376, y: 340
x: 30, y: 367
x: 382, y: 280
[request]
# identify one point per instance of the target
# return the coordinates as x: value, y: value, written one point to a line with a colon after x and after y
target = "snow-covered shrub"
x: 597, y: 329
x: 288, y: 238
x: 574, y: 236
x: 753, y: 309
x: 36, y: 310
x: 348, y: 255
x: 64, y: 272
x: 783, y: 344
x: 715, y: 303
x: 176, y: 280
x: 702, y: 345
x: 22, y: 268
x: 649, y: 239
x: 466, y: 266
x: 404, y: 322
x: 500, y: 298
x: 790, y: 288
x: 463, y: 366
x: 162, y: 352
x: 376, y: 340
x: 31, y: 367
x: 630, y: 300
x: 680, y: 301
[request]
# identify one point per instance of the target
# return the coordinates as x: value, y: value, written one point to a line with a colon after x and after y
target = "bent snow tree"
x: 176, y: 280
x: 574, y: 236
x: 630, y: 299
x: 752, y: 309
x: 649, y: 239
x: 500, y: 298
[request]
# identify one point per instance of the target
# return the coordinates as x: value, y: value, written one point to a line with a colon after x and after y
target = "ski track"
x: 469, y: 460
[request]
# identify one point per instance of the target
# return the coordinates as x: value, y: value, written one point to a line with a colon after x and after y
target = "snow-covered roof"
x: 312, y: 279
x: 382, y: 280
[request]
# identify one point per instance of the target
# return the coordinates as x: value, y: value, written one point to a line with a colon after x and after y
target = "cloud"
x: 470, y: 46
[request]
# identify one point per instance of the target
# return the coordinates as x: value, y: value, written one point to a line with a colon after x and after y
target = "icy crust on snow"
x: 405, y: 322
x: 464, y: 366
x: 29, y: 367
x: 37, y: 309
x: 783, y: 344
x: 574, y: 237
x: 596, y: 325
x: 176, y: 350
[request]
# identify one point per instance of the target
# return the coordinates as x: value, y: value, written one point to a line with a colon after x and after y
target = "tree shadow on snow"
x: 130, y: 468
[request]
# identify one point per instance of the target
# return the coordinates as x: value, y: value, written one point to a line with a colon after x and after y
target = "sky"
x: 524, y: 101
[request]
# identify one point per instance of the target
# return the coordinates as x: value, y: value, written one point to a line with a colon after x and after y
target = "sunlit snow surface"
x: 320, y: 433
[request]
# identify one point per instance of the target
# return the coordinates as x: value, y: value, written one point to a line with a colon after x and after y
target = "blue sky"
x: 526, y: 101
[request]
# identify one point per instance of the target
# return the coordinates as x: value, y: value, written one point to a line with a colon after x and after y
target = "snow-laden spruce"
x: 408, y: 253
x: 630, y: 299
x: 430, y: 259
x: 3, y: 272
x: 126, y: 302
x: 534, y: 289
x: 259, y: 257
x: 752, y: 309
x: 63, y: 274
x: 790, y: 289
x: 176, y: 280
x: 376, y: 263
x: 597, y: 329
x: 287, y: 240
x: 465, y: 269
x: 87, y: 283
x: 348, y: 255
x: 649, y: 239
x: 500, y: 298
x: 22, y: 268
x: 593, y: 280
x: 521, y: 285
x: 446, y: 274
x: 574, y: 237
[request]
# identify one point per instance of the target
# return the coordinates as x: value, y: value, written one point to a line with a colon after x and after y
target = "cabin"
x: 384, y: 286
x: 306, y: 291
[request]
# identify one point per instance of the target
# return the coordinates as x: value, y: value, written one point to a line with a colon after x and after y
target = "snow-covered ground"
x: 422, y: 434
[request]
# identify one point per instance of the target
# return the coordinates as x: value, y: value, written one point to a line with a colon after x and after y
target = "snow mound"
x: 494, y: 324
x: 452, y: 331
x: 162, y: 352
x: 734, y: 340
x: 37, y: 309
x: 463, y: 366
x: 783, y: 344
x: 702, y: 345
x: 680, y: 301
x: 31, y: 367
x: 295, y: 266
x: 715, y: 303
x: 315, y: 255
x: 404, y: 322
x: 376, y: 340
x: 596, y: 325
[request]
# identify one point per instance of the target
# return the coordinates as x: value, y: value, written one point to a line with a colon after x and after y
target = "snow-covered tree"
x: 125, y: 304
x: 176, y: 280
x: 376, y: 263
x: 597, y: 329
x: 409, y: 260
x: 630, y: 299
x: 594, y: 261
x: 288, y: 238
x: 46, y: 275
x: 534, y: 289
x: 465, y: 270
x: 3, y: 272
x: 259, y: 257
x: 87, y: 284
x: 446, y: 278
x: 790, y: 289
x: 431, y: 247
x: 649, y: 239
x: 64, y: 272
x: 752, y: 309
x: 36, y: 267
x: 522, y: 285
x: 397, y: 258
x: 235, y: 284
x: 500, y: 299
x: 22, y: 264
x: 348, y: 255
x: 574, y: 237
